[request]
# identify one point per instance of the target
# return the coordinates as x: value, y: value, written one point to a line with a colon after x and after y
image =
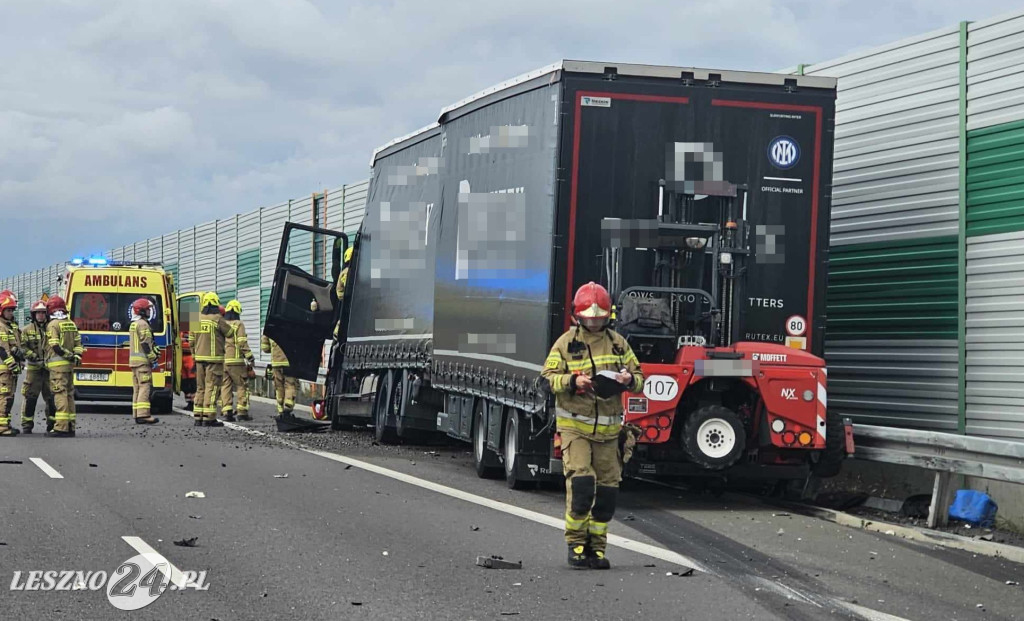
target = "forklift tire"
x: 382, y: 432
x: 714, y: 437
x: 830, y: 460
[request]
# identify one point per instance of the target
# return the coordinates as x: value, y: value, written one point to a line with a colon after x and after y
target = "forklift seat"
x: 646, y: 324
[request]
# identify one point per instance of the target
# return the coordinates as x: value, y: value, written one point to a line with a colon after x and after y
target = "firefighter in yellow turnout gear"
x: 339, y: 288
x: 285, y: 386
x: 10, y: 351
x: 37, y: 379
x: 208, y: 350
x: 238, y: 359
x: 63, y: 352
x: 590, y: 425
x: 144, y: 354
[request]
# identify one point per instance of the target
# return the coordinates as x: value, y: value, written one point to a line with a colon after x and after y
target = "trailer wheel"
x: 382, y: 432
x: 714, y: 437
x: 512, y: 452
x: 485, y: 460
x: 830, y: 460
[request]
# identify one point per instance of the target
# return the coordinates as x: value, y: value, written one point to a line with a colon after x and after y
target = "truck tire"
x: 512, y: 456
x: 486, y: 461
x: 830, y: 460
x: 714, y: 437
x: 382, y: 431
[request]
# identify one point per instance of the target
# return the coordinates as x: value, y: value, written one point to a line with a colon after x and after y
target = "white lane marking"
x: 45, y: 467
x: 173, y: 573
x: 616, y: 540
x: 867, y: 613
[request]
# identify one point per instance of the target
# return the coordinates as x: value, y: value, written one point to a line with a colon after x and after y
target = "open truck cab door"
x: 303, y: 308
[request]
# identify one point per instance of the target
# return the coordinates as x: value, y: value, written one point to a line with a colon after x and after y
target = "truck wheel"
x: 830, y: 460
x: 714, y: 437
x: 512, y: 452
x: 382, y: 408
x: 486, y: 461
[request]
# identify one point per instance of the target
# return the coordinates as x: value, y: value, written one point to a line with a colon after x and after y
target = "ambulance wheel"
x: 382, y: 432
x: 486, y: 461
x: 714, y: 437
x: 830, y: 460
x: 512, y: 453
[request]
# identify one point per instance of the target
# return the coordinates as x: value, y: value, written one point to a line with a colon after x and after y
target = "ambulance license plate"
x: 92, y: 377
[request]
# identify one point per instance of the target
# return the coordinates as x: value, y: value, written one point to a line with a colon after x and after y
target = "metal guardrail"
x: 946, y: 454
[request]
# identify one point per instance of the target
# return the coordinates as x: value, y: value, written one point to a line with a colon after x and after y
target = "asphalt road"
x: 358, y: 531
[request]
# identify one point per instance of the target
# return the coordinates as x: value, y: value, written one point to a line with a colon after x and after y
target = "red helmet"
x: 8, y: 300
x: 38, y: 307
x: 56, y: 303
x: 142, y: 304
x: 592, y: 302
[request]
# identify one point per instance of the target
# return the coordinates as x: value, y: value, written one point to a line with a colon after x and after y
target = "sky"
x: 123, y: 120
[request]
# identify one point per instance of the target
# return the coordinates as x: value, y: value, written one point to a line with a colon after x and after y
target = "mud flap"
x: 290, y: 423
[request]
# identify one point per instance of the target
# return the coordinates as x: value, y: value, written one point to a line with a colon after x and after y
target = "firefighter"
x: 144, y: 354
x: 589, y: 425
x: 63, y: 352
x: 208, y: 350
x: 37, y: 379
x: 238, y: 360
x: 339, y: 288
x: 10, y: 353
x: 285, y: 386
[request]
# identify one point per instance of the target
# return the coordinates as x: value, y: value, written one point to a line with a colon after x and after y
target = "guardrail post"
x: 942, y: 496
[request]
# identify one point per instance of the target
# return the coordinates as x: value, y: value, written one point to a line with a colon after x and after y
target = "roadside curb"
x: 939, y: 538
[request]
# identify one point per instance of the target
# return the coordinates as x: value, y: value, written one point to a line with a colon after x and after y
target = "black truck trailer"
x: 480, y: 227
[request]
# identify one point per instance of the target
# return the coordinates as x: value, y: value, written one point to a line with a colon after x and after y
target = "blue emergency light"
x: 76, y: 261
x: 97, y: 261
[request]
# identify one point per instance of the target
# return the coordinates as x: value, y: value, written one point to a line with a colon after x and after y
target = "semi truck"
x: 699, y: 198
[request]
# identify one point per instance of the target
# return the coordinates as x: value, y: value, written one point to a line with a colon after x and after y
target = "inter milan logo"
x: 784, y: 152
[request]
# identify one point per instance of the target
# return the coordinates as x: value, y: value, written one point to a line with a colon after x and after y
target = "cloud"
x: 125, y: 119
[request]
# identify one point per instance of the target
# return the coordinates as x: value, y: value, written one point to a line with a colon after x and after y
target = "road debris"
x: 281, y: 476
x: 1012, y: 583
x: 385, y: 552
x: 474, y: 528
x: 497, y: 562
x: 93, y: 466
x: 629, y: 518
x: 684, y: 573
x: 195, y: 495
x: 196, y: 517
x: 187, y: 543
x: 781, y: 532
x: 782, y: 514
x: 890, y: 532
x: 12, y: 462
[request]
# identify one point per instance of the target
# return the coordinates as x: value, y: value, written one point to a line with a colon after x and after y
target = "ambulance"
x: 99, y: 294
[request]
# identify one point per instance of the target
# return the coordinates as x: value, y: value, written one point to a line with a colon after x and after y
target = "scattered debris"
x: 196, y: 517
x: 981, y: 606
x: 281, y: 476
x: 509, y: 614
x: 13, y: 462
x: 93, y: 466
x: 474, y: 528
x: 223, y: 465
x: 890, y: 532
x: 517, y: 584
x: 385, y: 552
x: 781, y: 532
x: 195, y: 495
x: 264, y: 595
x: 629, y: 518
x: 348, y: 467
x: 783, y: 514
x: 356, y: 603
x: 187, y: 543
x: 496, y: 562
x: 685, y: 572
x: 1008, y: 582
x: 650, y: 565
x: 985, y: 537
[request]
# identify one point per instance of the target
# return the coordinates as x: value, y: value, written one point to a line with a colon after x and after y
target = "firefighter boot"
x: 229, y: 415
x: 597, y: 560
x: 578, y: 556
x: 212, y: 422
x: 147, y: 420
x: 243, y: 416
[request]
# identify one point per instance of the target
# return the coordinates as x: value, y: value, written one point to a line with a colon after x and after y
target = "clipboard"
x: 606, y: 386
